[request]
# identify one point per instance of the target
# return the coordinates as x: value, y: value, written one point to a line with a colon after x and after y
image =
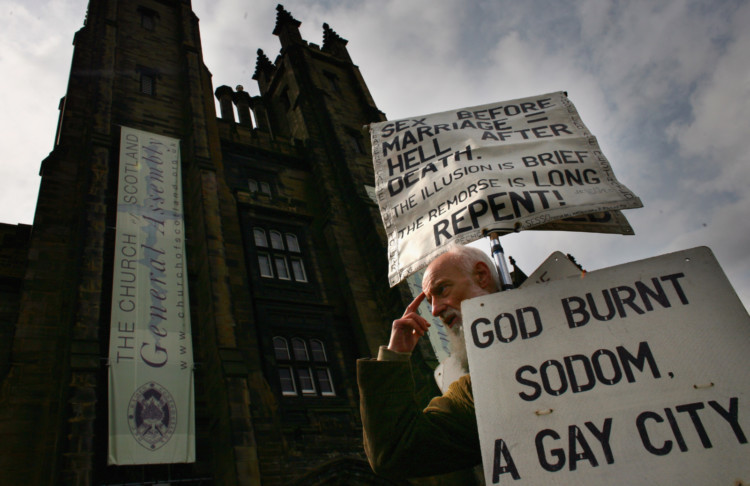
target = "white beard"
x: 458, y: 356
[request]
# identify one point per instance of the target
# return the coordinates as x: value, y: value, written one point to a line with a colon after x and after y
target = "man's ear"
x: 482, y: 275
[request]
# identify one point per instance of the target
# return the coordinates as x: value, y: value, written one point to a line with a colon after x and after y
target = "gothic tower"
x: 284, y: 247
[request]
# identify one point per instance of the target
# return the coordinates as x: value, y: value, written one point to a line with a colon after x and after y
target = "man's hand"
x: 406, y: 331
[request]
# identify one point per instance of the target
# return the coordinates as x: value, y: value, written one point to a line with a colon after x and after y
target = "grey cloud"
x: 663, y: 85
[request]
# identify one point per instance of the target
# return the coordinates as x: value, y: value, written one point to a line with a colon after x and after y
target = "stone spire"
x: 264, y: 69
x: 334, y: 44
x: 287, y: 28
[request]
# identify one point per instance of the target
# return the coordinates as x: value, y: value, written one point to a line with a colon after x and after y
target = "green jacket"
x: 401, y: 439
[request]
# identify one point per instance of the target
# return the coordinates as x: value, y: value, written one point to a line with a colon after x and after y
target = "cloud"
x: 717, y: 129
x: 714, y: 138
x: 663, y: 85
x: 35, y: 60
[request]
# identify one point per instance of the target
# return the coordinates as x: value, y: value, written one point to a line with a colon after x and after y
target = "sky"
x: 664, y: 86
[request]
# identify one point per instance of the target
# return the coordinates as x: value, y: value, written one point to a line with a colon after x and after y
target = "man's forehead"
x: 436, y: 271
x: 428, y: 281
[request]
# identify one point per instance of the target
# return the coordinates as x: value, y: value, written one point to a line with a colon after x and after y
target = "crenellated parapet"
x: 241, y: 100
x: 224, y: 95
x: 251, y: 111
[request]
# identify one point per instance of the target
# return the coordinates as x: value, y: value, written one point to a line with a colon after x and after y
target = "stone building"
x: 285, y: 259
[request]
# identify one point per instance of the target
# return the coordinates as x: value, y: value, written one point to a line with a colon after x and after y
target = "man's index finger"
x: 415, y: 303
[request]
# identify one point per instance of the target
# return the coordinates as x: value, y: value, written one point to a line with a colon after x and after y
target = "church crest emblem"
x: 152, y: 415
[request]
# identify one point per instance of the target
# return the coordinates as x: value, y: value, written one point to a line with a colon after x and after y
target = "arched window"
x: 298, y: 374
x: 259, y: 235
x: 300, y: 350
x: 318, y: 351
x: 286, y: 378
x: 258, y: 186
x: 148, y: 18
x: 283, y: 259
x: 276, y: 242
x: 281, y: 349
x: 292, y: 243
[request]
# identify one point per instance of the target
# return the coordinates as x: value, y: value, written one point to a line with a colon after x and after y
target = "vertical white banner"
x: 151, y: 411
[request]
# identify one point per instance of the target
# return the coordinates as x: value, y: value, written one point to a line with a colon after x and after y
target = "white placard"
x: 635, y: 374
x: 516, y: 165
x: 555, y: 267
x: 151, y: 411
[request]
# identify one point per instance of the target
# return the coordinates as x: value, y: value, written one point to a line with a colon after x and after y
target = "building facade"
x: 285, y: 258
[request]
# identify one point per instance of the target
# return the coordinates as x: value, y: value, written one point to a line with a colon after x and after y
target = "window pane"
x: 276, y: 242
x: 252, y: 184
x: 281, y: 268
x: 357, y: 144
x: 298, y: 268
x: 333, y: 81
x: 306, y: 384
x: 265, y: 188
x: 300, y: 350
x: 325, y: 382
x: 292, y: 243
x: 318, y: 351
x: 280, y: 348
x: 285, y: 99
x: 260, y: 237
x: 286, y: 381
x: 147, y: 21
x: 264, y: 262
x: 147, y: 84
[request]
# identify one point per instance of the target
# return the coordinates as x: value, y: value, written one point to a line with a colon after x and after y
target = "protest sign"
x: 509, y: 166
x: 635, y: 374
x: 555, y: 267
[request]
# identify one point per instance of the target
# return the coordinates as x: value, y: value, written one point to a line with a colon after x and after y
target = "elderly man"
x: 401, y: 439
